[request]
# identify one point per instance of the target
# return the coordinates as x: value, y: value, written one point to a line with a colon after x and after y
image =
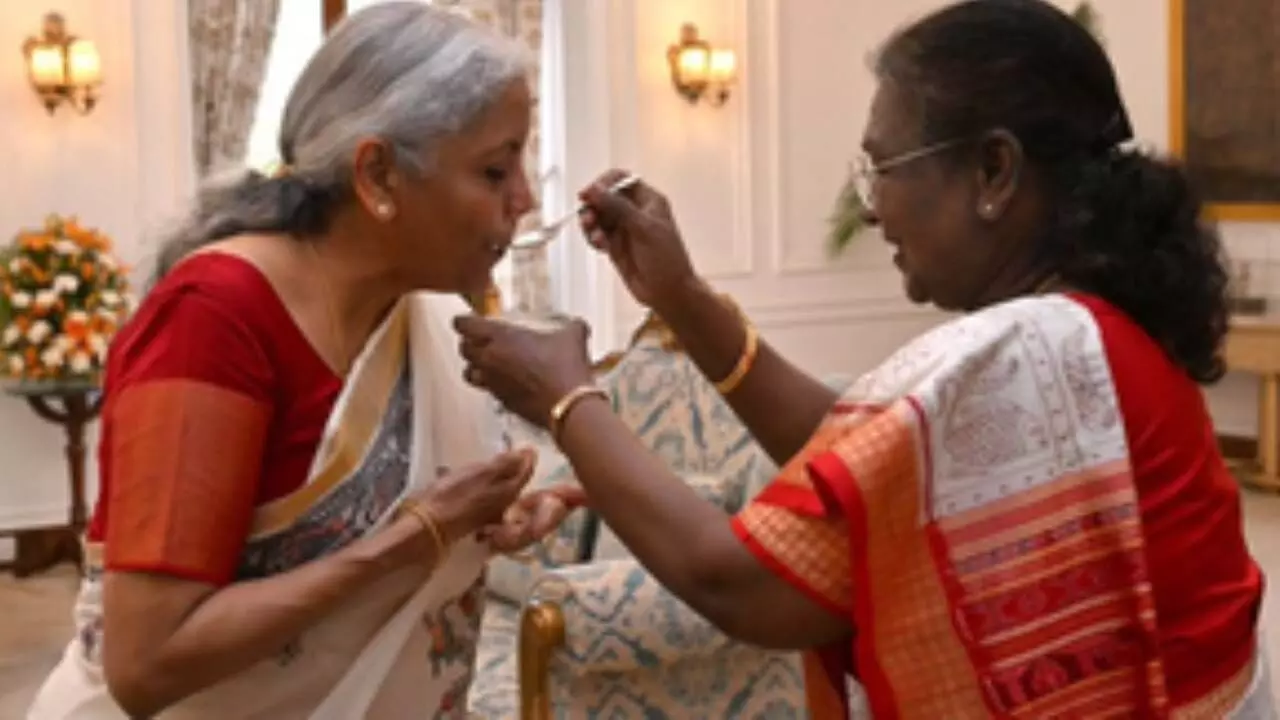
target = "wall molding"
x: 840, y: 312
x: 32, y: 516
x: 741, y: 258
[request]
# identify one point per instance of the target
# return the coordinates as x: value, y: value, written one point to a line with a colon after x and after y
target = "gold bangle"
x: 428, y: 522
x: 561, y: 409
x: 746, y: 361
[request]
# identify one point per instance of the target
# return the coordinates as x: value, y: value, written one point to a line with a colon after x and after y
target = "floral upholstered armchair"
x: 583, y: 631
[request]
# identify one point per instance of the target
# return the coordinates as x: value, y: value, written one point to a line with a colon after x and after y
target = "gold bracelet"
x: 428, y: 522
x: 561, y: 409
x: 746, y: 361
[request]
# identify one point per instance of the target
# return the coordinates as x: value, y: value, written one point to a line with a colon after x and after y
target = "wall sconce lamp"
x: 62, y: 67
x: 699, y: 70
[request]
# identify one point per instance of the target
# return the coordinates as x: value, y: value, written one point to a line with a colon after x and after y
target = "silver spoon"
x: 547, y: 233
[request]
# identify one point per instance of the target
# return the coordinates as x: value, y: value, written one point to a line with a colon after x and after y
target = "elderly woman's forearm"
x: 232, y: 628
x: 686, y: 542
x: 780, y: 404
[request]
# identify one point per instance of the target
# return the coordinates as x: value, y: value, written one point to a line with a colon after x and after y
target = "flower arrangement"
x: 64, y: 296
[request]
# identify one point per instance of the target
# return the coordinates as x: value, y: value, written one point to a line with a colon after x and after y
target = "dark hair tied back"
x: 1127, y: 225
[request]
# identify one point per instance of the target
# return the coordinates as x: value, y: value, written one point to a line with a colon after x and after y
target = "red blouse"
x: 215, y: 404
x: 1208, y: 589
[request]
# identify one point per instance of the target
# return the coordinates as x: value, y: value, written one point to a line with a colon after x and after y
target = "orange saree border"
x: 909, y: 658
x: 1032, y: 605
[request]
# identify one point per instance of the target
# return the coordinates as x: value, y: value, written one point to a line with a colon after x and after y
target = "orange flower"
x: 35, y: 242
x: 76, y: 327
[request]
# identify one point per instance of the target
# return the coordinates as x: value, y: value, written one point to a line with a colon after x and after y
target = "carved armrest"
x: 605, y: 618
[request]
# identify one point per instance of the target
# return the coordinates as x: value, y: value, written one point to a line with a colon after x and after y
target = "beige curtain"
x: 230, y: 47
x: 522, y: 20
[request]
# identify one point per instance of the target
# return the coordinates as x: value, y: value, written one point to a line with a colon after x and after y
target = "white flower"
x: 21, y: 300
x: 111, y: 298
x: 77, y: 317
x: 15, y: 265
x: 107, y: 315
x: 66, y: 247
x: 46, y: 298
x: 16, y: 366
x: 98, y: 344
x: 53, y: 358
x: 11, y: 335
x: 39, y: 331
x: 66, y: 283
x: 81, y: 362
x: 63, y: 343
x: 106, y: 261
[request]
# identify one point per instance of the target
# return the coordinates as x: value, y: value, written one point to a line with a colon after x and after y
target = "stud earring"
x: 988, y: 211
x: 384, y: 210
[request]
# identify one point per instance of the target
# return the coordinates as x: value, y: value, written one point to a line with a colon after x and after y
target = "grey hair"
x: 406, y: 72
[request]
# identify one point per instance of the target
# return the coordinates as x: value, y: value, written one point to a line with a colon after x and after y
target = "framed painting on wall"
x: 1225, y: 103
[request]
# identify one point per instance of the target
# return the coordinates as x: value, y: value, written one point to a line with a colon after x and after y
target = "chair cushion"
x: 495, y: 685
x: 510, y: 578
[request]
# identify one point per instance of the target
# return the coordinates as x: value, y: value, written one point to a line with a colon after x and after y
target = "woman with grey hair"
x: 298, y: 493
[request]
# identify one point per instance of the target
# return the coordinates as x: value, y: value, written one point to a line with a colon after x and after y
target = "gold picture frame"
x: 333, y: 12
x: 1187, y: 141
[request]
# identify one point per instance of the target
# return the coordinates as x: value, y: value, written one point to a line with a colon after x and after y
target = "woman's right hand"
x: 638, y: 231
x: 464, y: 500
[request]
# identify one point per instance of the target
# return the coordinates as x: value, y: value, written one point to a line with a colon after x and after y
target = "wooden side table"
x: 1253, y: 346
x: 73, y: 405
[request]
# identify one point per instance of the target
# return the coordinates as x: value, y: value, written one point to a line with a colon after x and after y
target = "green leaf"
x: 1088, y: 17
x: 847, y: 220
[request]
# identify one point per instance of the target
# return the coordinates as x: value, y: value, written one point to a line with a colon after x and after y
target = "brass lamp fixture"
x: 700, y: 71
x: 63, y: 68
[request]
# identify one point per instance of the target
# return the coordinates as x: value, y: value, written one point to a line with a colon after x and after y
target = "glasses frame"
x: 865, y: 173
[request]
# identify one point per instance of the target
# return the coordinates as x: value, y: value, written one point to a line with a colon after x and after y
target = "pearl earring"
x: 383, y: 210
x: 988, y: 211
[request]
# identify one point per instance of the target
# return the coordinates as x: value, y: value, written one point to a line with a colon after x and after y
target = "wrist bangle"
x: 561, y: 409
x: 428, y: 522
x: 747, y: 360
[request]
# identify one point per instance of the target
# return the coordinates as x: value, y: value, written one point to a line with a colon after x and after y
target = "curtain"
x: 530, y: 285
x: 230, y: 46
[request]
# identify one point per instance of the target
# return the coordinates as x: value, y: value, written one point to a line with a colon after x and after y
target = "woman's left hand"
x: 533, y: 517
x: 526, y: 370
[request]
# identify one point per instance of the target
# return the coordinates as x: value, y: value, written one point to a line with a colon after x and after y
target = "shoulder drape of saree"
x: 403, y: 416
x: 992, y: 532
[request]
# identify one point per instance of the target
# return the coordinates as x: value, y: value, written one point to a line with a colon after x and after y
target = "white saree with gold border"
x: 399, y: 648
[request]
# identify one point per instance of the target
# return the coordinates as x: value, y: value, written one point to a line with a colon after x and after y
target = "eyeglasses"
x: 865, y: 173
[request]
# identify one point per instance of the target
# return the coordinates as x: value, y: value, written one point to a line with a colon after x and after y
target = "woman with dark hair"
x: 1022, y: 513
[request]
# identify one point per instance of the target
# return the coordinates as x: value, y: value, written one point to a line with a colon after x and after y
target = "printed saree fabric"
x: 970, y: 507
x: 397, y: 649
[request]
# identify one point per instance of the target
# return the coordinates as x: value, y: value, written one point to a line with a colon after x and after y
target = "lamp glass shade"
x: 693, y: 65
x: 723, y: 66
x: 46, y: 65
x: 84, y: 64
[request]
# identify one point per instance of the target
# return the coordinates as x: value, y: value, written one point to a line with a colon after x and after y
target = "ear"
x: 1000, y: 160
x: 374, y: 178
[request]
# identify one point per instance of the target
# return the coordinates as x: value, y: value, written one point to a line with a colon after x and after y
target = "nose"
x: 869, y: 217
x: 521, y: 199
